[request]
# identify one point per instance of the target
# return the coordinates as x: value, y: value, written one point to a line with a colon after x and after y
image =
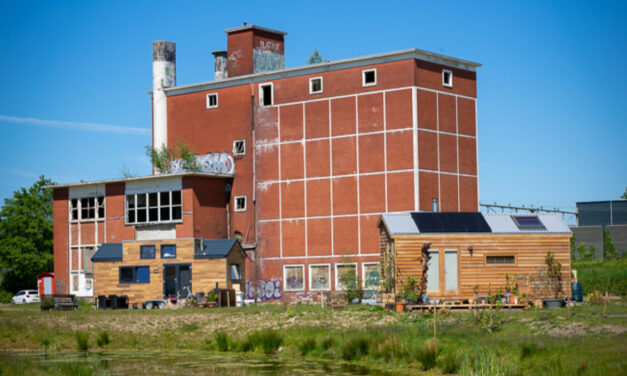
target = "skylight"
x: 528, y: 223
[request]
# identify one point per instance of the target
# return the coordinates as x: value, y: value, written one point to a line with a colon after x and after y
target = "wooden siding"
x: 205, y: 272
x: 529, y: 250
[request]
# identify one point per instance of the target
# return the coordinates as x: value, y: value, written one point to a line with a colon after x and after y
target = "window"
x: 265, y: 95
x: 371, y: 276
x: 369, y: 77
x: 239, y: 147
x: 294, y: 277
x: 153, y: 207
x: 134, y: 274
x: 240, y: 203
x: 447, y: 78
x: 343, y: 273
x: 320, y: 277
x: 212, y: 100
x: 528, y: 223
x: 236, y: 273
x: 500, y: 260
x: 168, y: 251
x: 88, y: 266
x: 147, y: 251
x: 315, y: 85
x: 87, y: 208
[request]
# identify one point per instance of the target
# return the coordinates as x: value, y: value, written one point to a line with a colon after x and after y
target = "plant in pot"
x: 511, y: 289
x: 409, y: 290
x: 422, y: 288
x: 554, y: 275
x: 212, y: 299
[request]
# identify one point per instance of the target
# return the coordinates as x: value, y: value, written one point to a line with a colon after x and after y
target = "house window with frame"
x: 212, y: 100
x: 500, y: 260
x: 168, y: 251
x: 369, y: 77
x: 236, y: 273
x: 147, y: 251
x: 294, y: 277
x: 343, y: 272
x: 320, y: 277
x: 371, y: 275
x: 266, y: 94
x: 153, y: 207
x: 87, y: 208
x: 315, y: 85
x: 240, y: 203
x: 239, y: 147
x: 134, y: 274
x: 447, y: 78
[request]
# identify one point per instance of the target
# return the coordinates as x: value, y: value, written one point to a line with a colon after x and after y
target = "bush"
x: 222, y: 341
x: 355, y: 348
x: 103, y: 339
x: 307, y: 345
x: 5, y: 297
x: 427, y: 355
x: 82, y: 341
x: 47, y: 302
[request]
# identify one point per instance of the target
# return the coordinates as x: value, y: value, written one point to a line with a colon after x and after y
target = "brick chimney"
x: 254, y: 49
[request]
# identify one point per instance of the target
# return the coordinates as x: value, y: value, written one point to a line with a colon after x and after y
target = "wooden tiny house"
x: 472, y: 253
x: 157, y: 269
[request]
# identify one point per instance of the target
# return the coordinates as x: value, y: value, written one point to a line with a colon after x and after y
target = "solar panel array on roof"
x: 450, y: 222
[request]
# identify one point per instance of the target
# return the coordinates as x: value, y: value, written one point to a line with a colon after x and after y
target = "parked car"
x: 26, y: 296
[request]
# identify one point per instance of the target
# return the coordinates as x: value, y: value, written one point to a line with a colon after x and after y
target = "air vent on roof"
x: 528, y: 223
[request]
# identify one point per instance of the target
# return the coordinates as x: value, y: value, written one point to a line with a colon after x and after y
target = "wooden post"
x: 605, y: 303
x: 435, y: 328
x: 228, y: 298
x: 568, y: 305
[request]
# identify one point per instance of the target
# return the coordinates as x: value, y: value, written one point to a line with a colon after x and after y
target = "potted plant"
x: 400, y: 304
x: 554, y: 275
x: 212, y: 299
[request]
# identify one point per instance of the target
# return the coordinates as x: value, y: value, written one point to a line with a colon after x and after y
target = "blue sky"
x: 552, y: 88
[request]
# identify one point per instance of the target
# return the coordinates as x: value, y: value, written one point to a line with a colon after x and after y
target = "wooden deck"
x: 464, y: 306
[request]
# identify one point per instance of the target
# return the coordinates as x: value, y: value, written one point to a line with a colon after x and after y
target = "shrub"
x: 355, y: 348
x: 103, y: 339
x: 602, y: 275
x: 222, y: 341
x: 82, y: 341
x: 47, y: 302
x: 307, y: 345
x: 5, y: 297
x: 427, y: 355
x: 212, y: 297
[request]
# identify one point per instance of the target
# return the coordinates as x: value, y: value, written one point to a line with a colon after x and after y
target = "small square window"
x: 239, y: 147
x: 168, y: 251
x: 369, y: 77
x: 315, y: 85
x: 240, y: 203
x: 265, y: 95
x: 147, y: 251
x: 447, y: 78
x: 236, y: 273
x: 212, y: 100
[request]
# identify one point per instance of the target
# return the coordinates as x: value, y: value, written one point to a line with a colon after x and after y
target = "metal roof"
x: 499, y: 223
x: 218, y: 248
x: 108, y: 252
x: 147, y: 177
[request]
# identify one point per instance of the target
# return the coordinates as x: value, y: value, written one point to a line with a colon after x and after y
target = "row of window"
x: 368, y: 78
x: 154, y: 207
x: 320, y: 276
x: 141, y: 274
x: 168, y: 251
x: 87, y: 208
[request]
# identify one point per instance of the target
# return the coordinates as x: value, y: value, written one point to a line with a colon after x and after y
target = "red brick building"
x: 320, y: 152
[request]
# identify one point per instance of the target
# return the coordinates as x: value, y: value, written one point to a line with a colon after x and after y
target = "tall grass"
x: 82, y: 341
x: 222, y: 341
x: 427, y: 355
x: 355, y: 348
x: 267, y: 341
x: 602, y: 275
x: 307, y: 345
x: 103, y: 339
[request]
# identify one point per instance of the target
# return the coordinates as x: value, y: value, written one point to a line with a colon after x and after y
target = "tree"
x: 609, y: 249
x: 26, y: 235
x: 315, y: 58
x: 624, y: 196
x: 162, y: 158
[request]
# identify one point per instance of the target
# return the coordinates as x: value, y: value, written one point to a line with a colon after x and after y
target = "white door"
x: 433, y: 274
x: 450, y: 269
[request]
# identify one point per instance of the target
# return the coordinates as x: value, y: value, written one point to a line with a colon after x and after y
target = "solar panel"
x: 450, y: 222
x: 528, y: 222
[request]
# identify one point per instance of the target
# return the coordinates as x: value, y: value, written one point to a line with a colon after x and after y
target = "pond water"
x: 190, y: 363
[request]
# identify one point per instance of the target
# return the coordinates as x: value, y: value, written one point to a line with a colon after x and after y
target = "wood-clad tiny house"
x: 475, y: 253
x: 157, y: 269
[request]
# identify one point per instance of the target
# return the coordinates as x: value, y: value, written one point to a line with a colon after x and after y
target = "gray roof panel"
x: 399, y: 224
x: 108, y: 252
x: 217, y: 248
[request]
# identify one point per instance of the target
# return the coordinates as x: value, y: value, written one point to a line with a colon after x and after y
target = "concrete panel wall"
x: 619, y: 237
x: 590, y: 235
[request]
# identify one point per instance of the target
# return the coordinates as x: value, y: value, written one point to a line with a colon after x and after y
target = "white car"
x: 26, y: 296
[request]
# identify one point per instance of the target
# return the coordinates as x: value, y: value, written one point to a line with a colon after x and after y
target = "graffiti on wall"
x: 265, y: 290
x: 267, y: 57
x: 216, y: 163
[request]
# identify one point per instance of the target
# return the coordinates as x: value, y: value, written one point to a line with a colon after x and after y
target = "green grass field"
x: 537, y: 342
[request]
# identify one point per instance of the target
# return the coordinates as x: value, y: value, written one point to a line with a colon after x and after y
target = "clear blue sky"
x: 552, y: 88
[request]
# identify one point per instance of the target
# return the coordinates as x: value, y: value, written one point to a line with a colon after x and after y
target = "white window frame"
x: 261, y: 98
x: 235, y: 208
x: 444, y: 83
x: 337, y: 279
x: 235, y: 153
x: 311, y: 85
x: 79, y: 208
x: 363, y: 273
x: 209, y: 106
x: 285, y: 267
x: 311, y: 274
x: 170, y: 206
x: 363, y: 77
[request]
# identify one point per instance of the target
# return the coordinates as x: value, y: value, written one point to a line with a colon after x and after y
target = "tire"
x: 150, y: 305
x: 161, y: 305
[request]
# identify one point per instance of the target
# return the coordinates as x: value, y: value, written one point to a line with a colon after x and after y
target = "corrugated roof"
x: 503, y: 223
x: 108, y: 252
x: 217, y: 248
x: 399, y: 223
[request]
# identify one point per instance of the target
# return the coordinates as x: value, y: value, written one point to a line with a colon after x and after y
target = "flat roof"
x: 248, y: 27
x: 137, y: 178
x: 412, y: 53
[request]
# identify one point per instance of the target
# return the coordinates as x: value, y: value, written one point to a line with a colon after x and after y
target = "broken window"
x: 153, y: 207
x: 319, y: 277
x: 239, y: 147
x: 447, y: 78
x: 344, y: 272
x: 369, y: 77
x: 294, y: 276
x: 265, y: 95
x: 88, y: 266
x: 86, y: 208
x: 371, y: 276
x: 315, y: 85
x: 74, y: 209
x: 240, y: 203
x: 212, y: 100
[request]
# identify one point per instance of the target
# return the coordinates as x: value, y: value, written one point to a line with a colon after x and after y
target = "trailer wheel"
x: 150, y: 305
x: 161, y: 305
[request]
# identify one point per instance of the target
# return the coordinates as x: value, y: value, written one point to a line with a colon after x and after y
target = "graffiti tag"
x: 265, y: 290
x: 216, y: 163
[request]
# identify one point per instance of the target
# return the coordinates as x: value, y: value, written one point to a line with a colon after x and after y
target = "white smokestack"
x: 163, y: 76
